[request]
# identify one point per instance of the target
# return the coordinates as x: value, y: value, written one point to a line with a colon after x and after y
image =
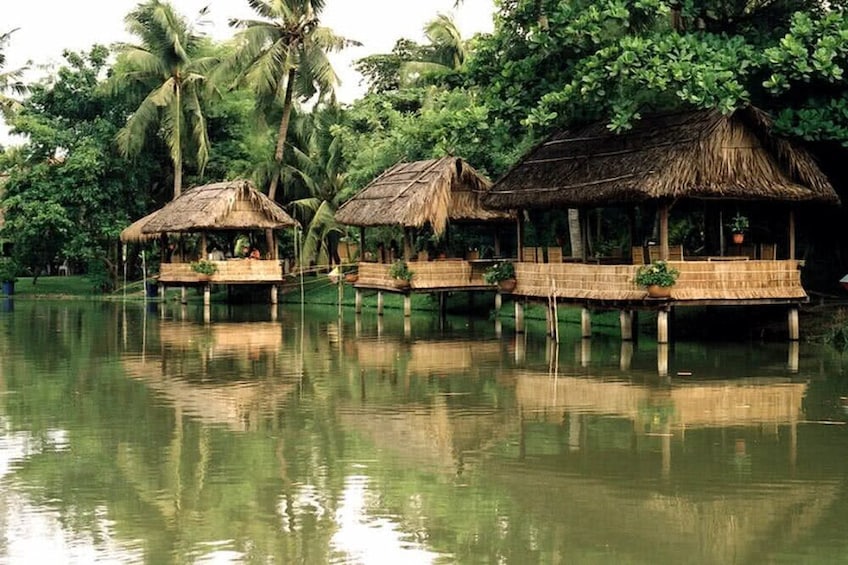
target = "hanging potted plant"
x: 8, y: 275
x: 501, y: 274
x: 738, y: 226
x: 399, y: 271
x: 657, y: 278
x: 204, y: 269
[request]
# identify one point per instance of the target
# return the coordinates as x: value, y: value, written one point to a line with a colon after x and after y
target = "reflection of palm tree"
x: 10, y: 81
x: 165, y: 65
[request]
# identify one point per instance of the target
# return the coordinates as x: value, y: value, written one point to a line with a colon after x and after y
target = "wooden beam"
x: 663, y: 213
x: 792, y: 234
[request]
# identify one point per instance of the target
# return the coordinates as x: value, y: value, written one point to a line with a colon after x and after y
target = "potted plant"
x: 502, y: 274
x: 738, y: 225
x: 204, y: 268
x: 657, y: 278
x: 8, y: 275
x: 400, y: 272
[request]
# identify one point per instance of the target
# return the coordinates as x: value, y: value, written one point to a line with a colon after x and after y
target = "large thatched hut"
x: 231, y: 206
x: 663, y: 160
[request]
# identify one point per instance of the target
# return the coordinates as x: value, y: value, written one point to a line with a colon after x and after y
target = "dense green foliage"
x: 547, y: 64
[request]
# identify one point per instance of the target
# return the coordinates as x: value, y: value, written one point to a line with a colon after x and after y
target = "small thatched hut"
x: 224, y: 206
x: 431, y: 193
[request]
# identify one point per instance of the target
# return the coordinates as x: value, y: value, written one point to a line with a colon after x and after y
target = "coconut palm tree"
x: 10, y: 81
x: 166, y: 67
x: 320, y: 166
x: 445, y: 53
x: 282, y: 55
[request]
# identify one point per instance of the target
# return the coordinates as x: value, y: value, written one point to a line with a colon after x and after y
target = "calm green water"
x: 130, y: 435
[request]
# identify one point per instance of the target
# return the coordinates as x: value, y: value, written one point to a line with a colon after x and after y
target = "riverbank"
x: 824, y: 319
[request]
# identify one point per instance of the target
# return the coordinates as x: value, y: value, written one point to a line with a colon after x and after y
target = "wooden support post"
x: 497, y: 243
x: 794, y: 354
x: 663, y: 212
x: 274, y: 296
x: 662, y: 359
x: 519, y: 228
x: 357, y: 308
x: 626, y: 355
x: 207, y: 313
x: 204, y: 252
x: 407, y: 305
x: 357, y: 325
x: 379, y: 302
x: 585, y: 352
x: 520, y: 349
x: 794, y: 330
x: 498, y: 303
x: 519, y: 317
x: 662, y: 326
x: 585, y: 322
x: 443, y: 305
x: 625, y: 318
x: 207, y: 294
x: 407, y: 328
x: 792, y: 250
x: 549, y: 320
x: 183, y: 299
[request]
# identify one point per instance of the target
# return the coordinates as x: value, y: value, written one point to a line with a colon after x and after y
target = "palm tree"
x: 10, y: 81
x: 284, y: 54
x: 445, y: 53
x: 167, y: 68
x: 320, y: 165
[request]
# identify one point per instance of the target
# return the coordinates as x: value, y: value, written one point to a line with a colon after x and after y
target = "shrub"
x: 8, y: 269
x: 657, y: 273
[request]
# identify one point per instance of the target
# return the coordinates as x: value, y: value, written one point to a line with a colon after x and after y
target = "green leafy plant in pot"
x: 400, y: 272
x: 204, y: 268
x: 501, y: 274
x: 738, y: 226
x: 658, y: 277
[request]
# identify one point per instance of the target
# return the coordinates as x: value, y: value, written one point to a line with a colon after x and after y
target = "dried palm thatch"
x: 231, y: 205
x: 424, y: 192
x: 132, y: 233
x: 693, y: 154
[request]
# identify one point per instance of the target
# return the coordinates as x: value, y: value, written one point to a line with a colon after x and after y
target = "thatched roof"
x: 231, y: 205
x: 133, y: 231
x: 424, y: 192
x: 693, y: 154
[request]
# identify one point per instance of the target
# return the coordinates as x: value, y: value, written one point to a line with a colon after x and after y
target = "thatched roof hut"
x: 687, y: 154
x: 132, y: 233
x: 231, y: 205
x: 434, y: 192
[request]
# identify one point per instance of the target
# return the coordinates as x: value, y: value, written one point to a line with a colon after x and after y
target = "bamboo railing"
x: 232, y: 271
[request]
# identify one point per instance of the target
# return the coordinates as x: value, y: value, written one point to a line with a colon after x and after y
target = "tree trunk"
x: 178, y: 151
x: 574, y: 232
x: 281, y: 135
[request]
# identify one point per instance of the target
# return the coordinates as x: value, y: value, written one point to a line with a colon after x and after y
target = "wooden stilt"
x: 585, y: 322
x: 183, y: 298
x: 379, y: 302
x: 585, y: 352
x: 662, y: 359
x: 625, y: 318
x: 358, y: 302
x: 407, y: 327
x: 207, y: 294
x: 443, y: 305
x: 498, y: 303
x: 792, y: 234
x: 549, y: 320
x: 794, y: 330
x: 207, y: 313
x: 274, y: 296
x: 626, y: 356
x: 407, y: 305
x: 662, y: 326
x: 663, y: 212
x: 794, y: 354
x: 519, y: 317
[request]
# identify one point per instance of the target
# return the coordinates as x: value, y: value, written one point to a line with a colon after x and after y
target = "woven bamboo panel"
x: 699, y: 280
x: 452, y: 273
x: 232, y: 271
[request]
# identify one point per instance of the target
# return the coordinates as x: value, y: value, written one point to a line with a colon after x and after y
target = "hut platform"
x: 448, y: 275
x: 233, y: 271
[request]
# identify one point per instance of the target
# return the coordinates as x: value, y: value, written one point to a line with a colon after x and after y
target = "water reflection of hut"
x: 184, y: 371
x: 423, y: 357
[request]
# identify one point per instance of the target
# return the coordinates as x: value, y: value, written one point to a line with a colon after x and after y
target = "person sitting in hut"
x: 253, y: 253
